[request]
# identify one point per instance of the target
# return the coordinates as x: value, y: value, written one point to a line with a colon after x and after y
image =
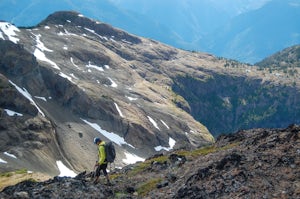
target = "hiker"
x: 101, y: 163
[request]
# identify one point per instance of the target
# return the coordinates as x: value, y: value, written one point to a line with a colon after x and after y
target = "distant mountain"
x: 31, y: 12
x: 189, y: 21
x: 254, y: 35
x: 207, y: 14
x: 244, y: 30
x: 286, y: 59
x: 181, y: 25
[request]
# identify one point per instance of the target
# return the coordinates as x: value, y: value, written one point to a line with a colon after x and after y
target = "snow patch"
x: 132, y: 158
x: 42, y: 98
x: 71, y: 59
x: 131, y: 98
x: 1, y: 36
x: 40, y: 45
x: 153, y: 122
x: 66, y: 33
x: 66, y: 76
x: 41, y: 56
x: 125, y: 41
x: 12, y: 113
x: 27, y: 95
x: 65, y: 171
x: 10, y: 155
x: 113, y: 84
x: 165, y: 124
x: 10, y: 31
x: 172, y: 143
x: 111, y: 39
x: 118, y: 109
x: 3, y: 161
x: 94, y: 66
x: 72, y: 75
x: 93, y: 32
x: 111, y: 136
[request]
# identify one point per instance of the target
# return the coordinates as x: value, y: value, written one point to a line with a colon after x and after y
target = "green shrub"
x: 6, y: 174
x: 148, y: 186
x: 21, y: 171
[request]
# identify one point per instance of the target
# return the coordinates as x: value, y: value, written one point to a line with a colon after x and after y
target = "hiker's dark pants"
x: 103, y: 168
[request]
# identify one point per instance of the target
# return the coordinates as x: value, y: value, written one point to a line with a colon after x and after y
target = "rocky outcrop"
x: 102, y: 29
x: 226, y: 103
x: 11, y: 98
x: 24, y: 131
x: 257, y: 163
x: 264, y: 164
x: 20, y: 66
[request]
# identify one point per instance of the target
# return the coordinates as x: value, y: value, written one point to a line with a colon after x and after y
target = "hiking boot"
x: 109, y: 183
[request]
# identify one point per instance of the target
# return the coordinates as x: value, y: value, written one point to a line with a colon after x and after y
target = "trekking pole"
x: 94, y: 170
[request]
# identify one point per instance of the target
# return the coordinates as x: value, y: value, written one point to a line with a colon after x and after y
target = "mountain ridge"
x: 245, y: 35
x: 286, y: 60
x: 64, y: 99
x: 187, y: 28
x: 90, y: 79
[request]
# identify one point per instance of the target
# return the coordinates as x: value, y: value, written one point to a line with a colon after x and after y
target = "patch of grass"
x: 114, y: 176
x: 6, y: 174
x: 197, y: 152
x: 14, y: 177
x: 9, y: 174
x: 205, y: 150
x: 146, y: 164
x: 120, y: 195
x: 21, y: 171
x: 139, y: 168
x: 148, y: 186
x: 160, y: 159
x: 229, y: 146
x: 183, y: 153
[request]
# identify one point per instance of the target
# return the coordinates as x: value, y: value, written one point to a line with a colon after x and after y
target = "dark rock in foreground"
x: 258, y: 163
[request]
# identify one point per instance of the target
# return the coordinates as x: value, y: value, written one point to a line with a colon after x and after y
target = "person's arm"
x: 102, y: 155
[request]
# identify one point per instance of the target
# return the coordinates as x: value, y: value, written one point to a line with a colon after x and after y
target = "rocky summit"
x: 257, y: 163
x: 70, y: 79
